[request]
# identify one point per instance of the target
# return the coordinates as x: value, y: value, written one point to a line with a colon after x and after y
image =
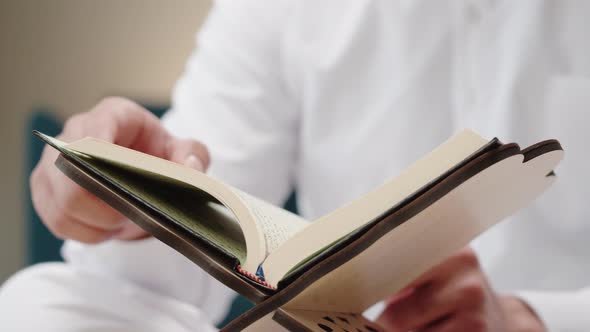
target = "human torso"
x: 381, y: 83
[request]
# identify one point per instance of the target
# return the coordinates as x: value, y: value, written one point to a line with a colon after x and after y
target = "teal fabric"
x: 42, y: 246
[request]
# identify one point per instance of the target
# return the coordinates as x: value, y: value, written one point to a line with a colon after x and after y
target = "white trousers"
x: 113, y: 287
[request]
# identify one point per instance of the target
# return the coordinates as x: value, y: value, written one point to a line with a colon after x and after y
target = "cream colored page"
x: 256, y: 253
x: 277, y: 224
x: 350, y: 217
x: 433, y: 234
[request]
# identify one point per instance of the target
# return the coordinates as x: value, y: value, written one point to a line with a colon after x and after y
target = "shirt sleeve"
x: 561, y: 311
x: 231, y: 97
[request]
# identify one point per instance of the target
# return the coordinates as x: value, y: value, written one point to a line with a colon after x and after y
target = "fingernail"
x: 194, y: 162
x: 110, y: 235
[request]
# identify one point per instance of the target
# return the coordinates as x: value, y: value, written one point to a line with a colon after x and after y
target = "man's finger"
x: 82, y: 205
x: 188, y: 152
x: 129, y: 231
x: 135, y: 127
x: 432, y: 302
x: 462, y: 260
x: 120, y: 121
x: 77, y: 201
x: 447, y: 324
x: 70, y: 228
x: 444, y: 289
x: 460, y: 322
x: 56, y: 219
x: 421, y: 308
x: 67, y: 227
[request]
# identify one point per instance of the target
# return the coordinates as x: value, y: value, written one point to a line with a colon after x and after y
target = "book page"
x: 278, y: 225
x: 264, y: 227
x: 437, y: 231
x: 181, y: 175
x: 191, y: 208
x: 346, y: 219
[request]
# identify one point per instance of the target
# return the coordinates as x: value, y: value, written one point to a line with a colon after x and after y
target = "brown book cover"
x: 329, y: 291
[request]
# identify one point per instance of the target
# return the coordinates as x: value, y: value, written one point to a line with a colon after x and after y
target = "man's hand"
x: 455, y: 296
x: 69, y: 211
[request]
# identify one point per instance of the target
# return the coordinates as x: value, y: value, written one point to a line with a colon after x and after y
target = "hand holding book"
x: 72, y: 212
x: 296, y: 270
x: 456, y: 296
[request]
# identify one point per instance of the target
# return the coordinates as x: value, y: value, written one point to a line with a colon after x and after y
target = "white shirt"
x: 334, y: 97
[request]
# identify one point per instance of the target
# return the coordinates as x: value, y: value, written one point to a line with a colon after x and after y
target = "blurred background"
x: 62, y: 56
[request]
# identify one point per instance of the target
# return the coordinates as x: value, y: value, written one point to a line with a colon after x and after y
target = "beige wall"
x: 67, y: 54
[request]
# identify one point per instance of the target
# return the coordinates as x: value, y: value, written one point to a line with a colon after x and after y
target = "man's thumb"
x: 189, y: 153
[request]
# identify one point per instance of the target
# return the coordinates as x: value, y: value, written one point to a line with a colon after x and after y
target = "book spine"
x: 254, y: 278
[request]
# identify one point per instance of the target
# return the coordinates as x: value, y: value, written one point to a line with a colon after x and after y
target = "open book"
x: 264, y: 252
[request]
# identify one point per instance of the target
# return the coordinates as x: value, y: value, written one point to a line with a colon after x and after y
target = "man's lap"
x: 58, y: 297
